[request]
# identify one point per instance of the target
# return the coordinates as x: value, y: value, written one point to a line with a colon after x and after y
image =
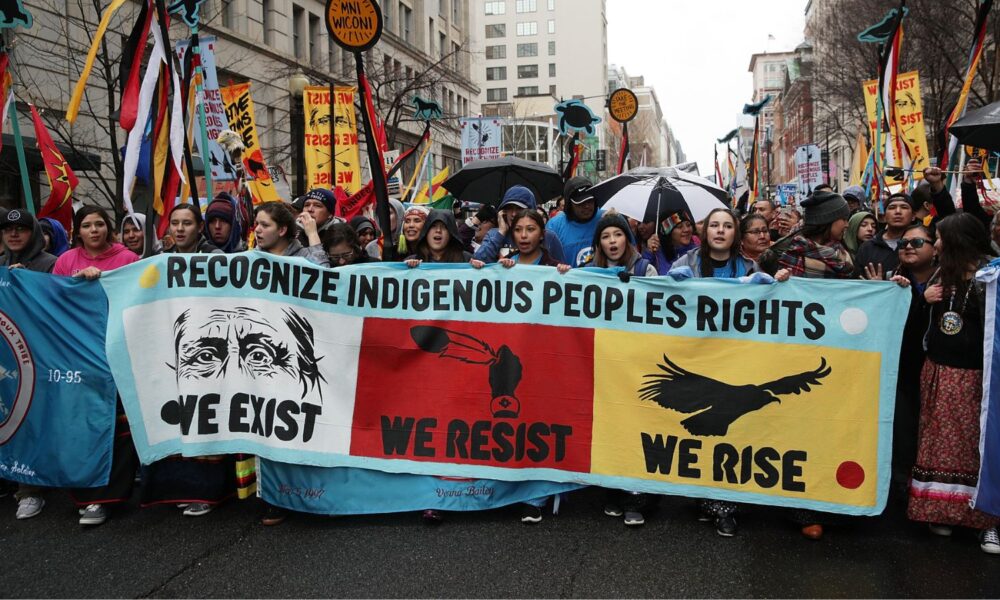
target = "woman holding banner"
x: 951, y: 387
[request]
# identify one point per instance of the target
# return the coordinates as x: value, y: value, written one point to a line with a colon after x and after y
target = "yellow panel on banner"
x: 767, y: 438
x: 910, y: 117
x: 239, y: 113
x: 316, y: 106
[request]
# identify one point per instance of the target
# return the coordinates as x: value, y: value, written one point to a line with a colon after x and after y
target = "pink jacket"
x: 77, y: 259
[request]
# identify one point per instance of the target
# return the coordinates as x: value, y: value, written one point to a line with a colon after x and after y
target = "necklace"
x: 951, y: 322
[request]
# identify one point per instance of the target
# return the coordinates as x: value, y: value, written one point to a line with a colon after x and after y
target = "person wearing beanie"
x: 365, y: 229
x: 321, y: 204
x: 23, y: 243
x: 576, y: 224
x: 855, y: 196
x: 673, y: 237
x: 615, y: 246
x: 499, y: 241
x: 877, y: 258
x: 222, y: 228
x: 816, y: 250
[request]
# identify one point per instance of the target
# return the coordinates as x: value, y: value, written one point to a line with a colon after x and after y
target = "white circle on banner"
x: 854, y: 321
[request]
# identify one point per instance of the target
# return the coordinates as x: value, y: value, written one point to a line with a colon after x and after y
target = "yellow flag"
x: 239, y: 113
x: 860, y: 160
x: 437, y: 192
x: 316, y: 107
x: 910, y: 119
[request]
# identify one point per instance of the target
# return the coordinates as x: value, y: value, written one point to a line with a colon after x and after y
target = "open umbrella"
x: 645, y: 193
x: 485, y: 181
x: 979, y: 127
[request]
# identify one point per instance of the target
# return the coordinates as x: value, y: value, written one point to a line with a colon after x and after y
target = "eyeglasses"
x: 342, y: 257
x: 757, y: 231
x: 917, y: 243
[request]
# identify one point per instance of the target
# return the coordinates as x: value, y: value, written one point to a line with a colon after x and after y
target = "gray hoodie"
x: 372, y: 247
x: 34, y: 257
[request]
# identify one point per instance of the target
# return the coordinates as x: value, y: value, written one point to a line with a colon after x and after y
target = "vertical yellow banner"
x: 239, y: 113
x: 316, y: 107
x: 910, y: 118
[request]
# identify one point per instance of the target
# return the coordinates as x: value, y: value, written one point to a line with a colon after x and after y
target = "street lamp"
x: 296, y: 87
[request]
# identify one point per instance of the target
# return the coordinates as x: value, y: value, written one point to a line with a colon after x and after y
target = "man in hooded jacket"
x: 515, y: 199
x: 24, y: 243
x: 575, y: 226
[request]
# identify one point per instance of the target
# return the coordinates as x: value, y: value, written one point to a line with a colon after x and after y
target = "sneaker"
x: 30, y: 506
x: 612, y: 510
x: 725, y: 526
x: 432, y: 517
x: 531, y: 514
x: 634, y: 518
x: 182, y: 505
x: 942, y: 530
x: 94, y: 514
x: 989, y: 541
x: 273, y: 515
x: 198, y: 509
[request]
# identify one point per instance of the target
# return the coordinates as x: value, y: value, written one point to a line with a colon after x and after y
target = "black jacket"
x: 34, y: 257
x: 878, y: 252
x: 944, y: 205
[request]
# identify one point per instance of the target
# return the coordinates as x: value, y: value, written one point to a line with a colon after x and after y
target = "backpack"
x: 640, y: 266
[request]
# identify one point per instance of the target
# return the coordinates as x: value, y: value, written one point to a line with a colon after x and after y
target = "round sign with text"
x: 623, y: 105
x: 356, y: 25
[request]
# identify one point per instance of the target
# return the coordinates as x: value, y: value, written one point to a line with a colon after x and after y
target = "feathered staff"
x: 753, y: 169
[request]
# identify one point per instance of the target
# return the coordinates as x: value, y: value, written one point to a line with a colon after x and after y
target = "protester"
x: 392, y: 240
x: 321, y: 204
x: 860, y: 229
x: 674, y: 238
x: 880, y: 251
x: 186, y: 228
x: 754, y: 236
x: 343, y: 246
x: 766, y: 209
x: 498, y: 242
x: 275, y: 228
x: 24, y: 243
x: 439, y: 241
x: 413, y: 224
x: 719, y: 254
x: 56, y: 239
x: 816, y: 250
x: 133, y: 235
x: 916, y: 263
x: 951, y: 387
x: 855, y: 196
x: 614, y: 246
x: 365, y: 228
x: 575, y: 226
x: 788, y: 221
x: 943, y: 202
x: 528, y: 229
x: 222, y: 227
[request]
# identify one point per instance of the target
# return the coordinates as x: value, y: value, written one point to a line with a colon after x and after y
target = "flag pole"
x: 22, y: 163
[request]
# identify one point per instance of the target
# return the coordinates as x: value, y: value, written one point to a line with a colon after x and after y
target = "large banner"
x: 986, y: 497
x: 910, y: 113
x: 215, y: 110
x: 316, y: 106
x: 775, y: 394
x: 239, y: 112
x: 57, y: 397
x: 482, y: 138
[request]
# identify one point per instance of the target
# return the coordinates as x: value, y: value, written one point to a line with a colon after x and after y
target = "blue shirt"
x: 577, y: 238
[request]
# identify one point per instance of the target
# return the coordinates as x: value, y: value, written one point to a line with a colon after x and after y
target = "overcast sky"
x: 696, y: 54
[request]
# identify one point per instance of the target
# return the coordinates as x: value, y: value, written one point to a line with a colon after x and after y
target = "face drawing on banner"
x: 243, y: 346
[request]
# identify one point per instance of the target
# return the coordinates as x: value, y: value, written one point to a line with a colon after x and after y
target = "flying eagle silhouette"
x: 719, y: 404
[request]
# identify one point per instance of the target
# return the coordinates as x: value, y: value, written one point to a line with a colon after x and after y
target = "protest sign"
x: 482, y: 138
x: 316, y: 103
x: 910, y: 119
x: 215, y: 110
x: 239, y: 112
x: 809, y: 168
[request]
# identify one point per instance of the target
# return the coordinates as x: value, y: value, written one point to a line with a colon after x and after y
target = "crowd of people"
x: 919, y: 240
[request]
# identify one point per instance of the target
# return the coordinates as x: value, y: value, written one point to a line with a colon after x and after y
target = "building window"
x: 552, y: 48
x: 496, y: 73
x: 298, y: 31
x: 406, y: 22
x: 496, y: 30
x: 552, y: 90
x: 314, y: 40
x: 496, y: 52
x: 267, y: 22
x: 496, y: 8
x: 331, y: 53
x: 524, y: 6
x: 346, y: 63
x: 443, y: 44
x: 387, y: 16
x: 430, y: 37
x: 552, y: 4
x: 229, y: 13
x: 552, y: 69
x: 496, y: 95
x: 456, y: 12
x: 527, y: 71
x: 456, y: 57
x: 527, y: 28
x: 528, y: 90
x: 525, y: 50
x: 552, y: 26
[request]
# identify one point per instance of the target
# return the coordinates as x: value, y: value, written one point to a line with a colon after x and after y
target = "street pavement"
x: 156, y: 552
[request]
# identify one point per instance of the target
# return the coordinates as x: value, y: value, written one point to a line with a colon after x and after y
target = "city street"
x: 581, y: 553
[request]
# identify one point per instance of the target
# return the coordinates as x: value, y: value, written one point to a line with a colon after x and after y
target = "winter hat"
x: 823, y: 208
x: 361, y: 223
x: 901, y: 196
x: 574, y: 188
x: 670, y: 220
x: 17, y: 217
x: 855, y: 192
x: 519, y: 196
x: 325, y: 196
x: 221, y: 207
x: 416, y: 209
x: 613, y: 219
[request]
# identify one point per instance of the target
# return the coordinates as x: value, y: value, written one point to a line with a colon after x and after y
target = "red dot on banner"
x: 850, y: 475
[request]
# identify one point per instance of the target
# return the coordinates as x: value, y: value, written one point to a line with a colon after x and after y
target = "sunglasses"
x: 916, y: 243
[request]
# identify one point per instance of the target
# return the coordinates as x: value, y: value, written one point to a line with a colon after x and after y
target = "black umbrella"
x: 486, y: 181
x: 979, y: 128
x: 645, y: 193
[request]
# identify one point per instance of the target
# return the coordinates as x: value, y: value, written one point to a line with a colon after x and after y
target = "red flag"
x: 350, y: 207
x: 62, y: 180
x: 5, y: 83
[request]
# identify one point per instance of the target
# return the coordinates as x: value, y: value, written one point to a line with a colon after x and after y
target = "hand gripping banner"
x: 776, y: 394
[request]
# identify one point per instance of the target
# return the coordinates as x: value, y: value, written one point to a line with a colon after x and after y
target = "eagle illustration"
x: 716, y: 404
